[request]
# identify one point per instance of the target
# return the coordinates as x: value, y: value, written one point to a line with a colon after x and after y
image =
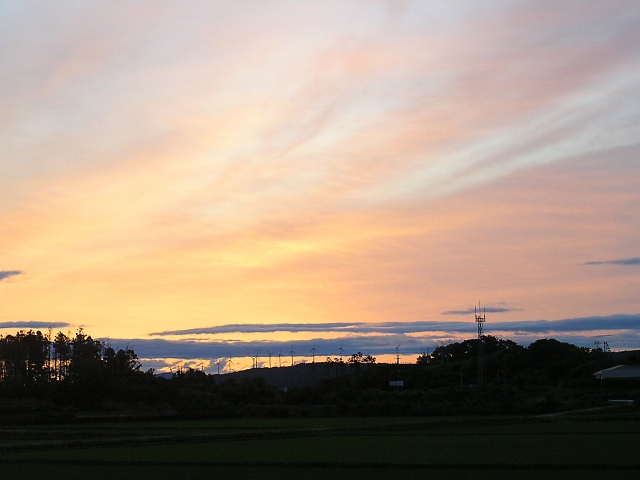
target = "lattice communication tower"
x: 480, y: 319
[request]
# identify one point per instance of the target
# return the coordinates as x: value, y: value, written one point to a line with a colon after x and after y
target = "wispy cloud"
x: 469, y: 311
x: 33, y: 325
x: 9, y: 273
x: 620, y: 261
x: 172, y: 165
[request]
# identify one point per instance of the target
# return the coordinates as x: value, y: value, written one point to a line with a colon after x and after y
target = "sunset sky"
x: 204, y: 180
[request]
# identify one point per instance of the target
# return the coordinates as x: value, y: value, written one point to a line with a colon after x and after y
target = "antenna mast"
x: 480, y: 319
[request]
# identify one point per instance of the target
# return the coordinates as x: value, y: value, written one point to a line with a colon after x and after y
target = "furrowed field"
x: 587, y: 445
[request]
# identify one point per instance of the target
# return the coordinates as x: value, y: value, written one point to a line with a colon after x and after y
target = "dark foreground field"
x: 582, y: 446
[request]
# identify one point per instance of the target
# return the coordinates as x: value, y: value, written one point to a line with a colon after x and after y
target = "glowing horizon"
x: 169, y: 167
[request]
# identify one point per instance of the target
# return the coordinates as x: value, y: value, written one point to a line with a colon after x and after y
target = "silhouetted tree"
x: 24, y: 358
x: 120, y: 361
x: 361, y: 358
x: 61, y: 356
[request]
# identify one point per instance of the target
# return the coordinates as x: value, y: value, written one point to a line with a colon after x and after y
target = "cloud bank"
x: 375, y: 345
x: 611, y: 322
x: 622, y: 331
x: 621, y: 261
x: 469, y: 311
x: 9, y: 273
x: 33, y: 325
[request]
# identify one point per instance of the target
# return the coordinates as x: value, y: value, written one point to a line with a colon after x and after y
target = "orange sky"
x: 166, y: 167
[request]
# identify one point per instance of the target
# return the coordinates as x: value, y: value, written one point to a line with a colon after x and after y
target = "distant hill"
x: 304, y: 374
x: 625, y: 355
x: 309, y: 374
x: 301, y: 375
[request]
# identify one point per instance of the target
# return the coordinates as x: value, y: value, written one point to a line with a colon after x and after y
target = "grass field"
x: 581, y: 446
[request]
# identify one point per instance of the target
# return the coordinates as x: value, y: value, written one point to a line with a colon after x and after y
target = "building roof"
x: 619, y: 371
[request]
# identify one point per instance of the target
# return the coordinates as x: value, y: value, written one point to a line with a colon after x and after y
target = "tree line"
x: 66, y: 372
x: 35, y: 363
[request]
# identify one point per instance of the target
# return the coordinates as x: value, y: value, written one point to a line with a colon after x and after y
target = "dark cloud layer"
x: 276, y: 327
x: 619, y: 322
x: 33, y: 325
x: 374, y: 345
x: 345, y: 327
x: 9, y: 273
x: 611, y: 322
x: 620, y: 261
x: 623, y: 332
